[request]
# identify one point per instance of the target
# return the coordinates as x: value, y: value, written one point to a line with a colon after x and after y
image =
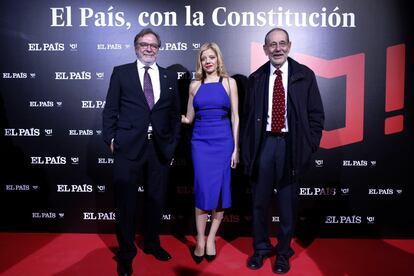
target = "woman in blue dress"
x: 213, y: 105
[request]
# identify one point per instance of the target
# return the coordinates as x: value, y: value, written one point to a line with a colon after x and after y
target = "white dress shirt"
x: 155, y: 78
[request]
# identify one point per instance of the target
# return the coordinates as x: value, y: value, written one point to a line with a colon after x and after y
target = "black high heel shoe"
x: 210, y: 258
x: 197, y: 259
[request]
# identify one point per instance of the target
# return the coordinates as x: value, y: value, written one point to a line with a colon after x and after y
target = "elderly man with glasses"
x: 141, y: 126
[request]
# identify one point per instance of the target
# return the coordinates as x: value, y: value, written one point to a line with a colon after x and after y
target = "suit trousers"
x: 272, y: 172
x: 149, y: 171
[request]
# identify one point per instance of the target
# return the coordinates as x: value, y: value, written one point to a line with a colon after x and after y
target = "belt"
x: 277, y: 134
x: 150, y: 135
x: 220, y: 117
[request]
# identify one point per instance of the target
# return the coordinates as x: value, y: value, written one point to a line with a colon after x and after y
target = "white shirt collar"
x: 283, y: 68
x: 142, y: 65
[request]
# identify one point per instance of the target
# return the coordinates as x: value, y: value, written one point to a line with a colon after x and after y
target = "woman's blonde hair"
x: 221, y: 69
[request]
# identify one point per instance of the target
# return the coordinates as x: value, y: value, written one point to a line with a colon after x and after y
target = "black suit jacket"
x: 305, y: 116
x: 126, y: 115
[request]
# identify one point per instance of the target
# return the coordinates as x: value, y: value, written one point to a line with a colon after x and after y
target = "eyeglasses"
x: 145, y: 45
x: 282, y: 44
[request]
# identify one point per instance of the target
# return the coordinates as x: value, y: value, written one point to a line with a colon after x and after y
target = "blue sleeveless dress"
x: 212, y: 145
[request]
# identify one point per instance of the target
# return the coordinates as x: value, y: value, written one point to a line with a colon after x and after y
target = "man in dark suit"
x: 141, y: 125
x: 281, y: 127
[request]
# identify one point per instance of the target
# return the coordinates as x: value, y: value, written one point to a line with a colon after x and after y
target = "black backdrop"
x: 56, y: 61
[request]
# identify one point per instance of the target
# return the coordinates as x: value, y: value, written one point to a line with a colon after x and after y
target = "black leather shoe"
x: 210, y: 258
x: 159, y: 253
x: 281, y: 265
x: 197, y: 259
x: 256, y: 261
x: 124, y: 268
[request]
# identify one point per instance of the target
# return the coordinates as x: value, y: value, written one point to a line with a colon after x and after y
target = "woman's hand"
x: 184, y: 120
x: 235, y: 158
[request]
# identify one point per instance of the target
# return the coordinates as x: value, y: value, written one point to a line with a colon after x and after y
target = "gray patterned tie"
x: 148, y: 92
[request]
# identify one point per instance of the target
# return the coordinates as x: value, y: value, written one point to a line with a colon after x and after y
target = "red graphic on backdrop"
x: 394, y: 88
x: 353, y: 68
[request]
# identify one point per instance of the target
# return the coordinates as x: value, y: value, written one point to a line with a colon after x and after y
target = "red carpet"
x: 92, y: 254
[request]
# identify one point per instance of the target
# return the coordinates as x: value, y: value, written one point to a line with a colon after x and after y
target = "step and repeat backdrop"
x: 56, y: 62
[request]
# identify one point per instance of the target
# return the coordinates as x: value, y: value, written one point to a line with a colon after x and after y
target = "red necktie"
x: 148, y: 92
x: 278, y: 104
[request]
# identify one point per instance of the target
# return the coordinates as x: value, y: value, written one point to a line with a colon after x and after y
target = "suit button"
x: 258, y: 119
